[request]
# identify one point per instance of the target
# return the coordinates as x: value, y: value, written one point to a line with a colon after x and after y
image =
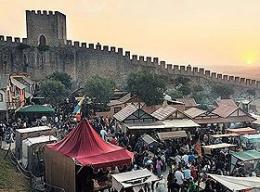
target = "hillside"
x: 10, y: 179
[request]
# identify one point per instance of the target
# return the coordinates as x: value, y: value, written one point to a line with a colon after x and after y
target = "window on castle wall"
x: 42, y: 40
x: 1, y: 97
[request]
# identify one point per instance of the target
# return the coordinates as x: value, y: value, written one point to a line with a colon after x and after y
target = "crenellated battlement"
x: 160, y: 65
x: 10, y: 39
x: 43, y: 13
x: 166, y: 67
x: 49, y: 28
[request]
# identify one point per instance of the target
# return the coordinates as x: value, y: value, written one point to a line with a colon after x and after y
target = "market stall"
x: 251, y: 141
x: 242, y: 131
x: 225, y: 135
x: 172, y: 135
x: 32, y: 152
x: 244, y: 156
x: 21, y: 134
x: 238, y: 183
x: 70, y: 164
x: 136, y: 180
x: 225, y: 138
x: 148, y: 140
x: 209, y: 148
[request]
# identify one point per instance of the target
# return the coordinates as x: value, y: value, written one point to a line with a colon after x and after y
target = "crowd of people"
x: 180, y: 162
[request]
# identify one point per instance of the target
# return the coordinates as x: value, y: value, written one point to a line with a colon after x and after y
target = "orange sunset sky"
x: 221, y: 35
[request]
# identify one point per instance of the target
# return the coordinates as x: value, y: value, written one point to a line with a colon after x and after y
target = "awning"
x: 148, y: 139
x: 171, y: 135
x: 180, y: 123
x: 140, y: 126
x: 133, y: 179
x: 218, y: 146
x: 36, y: 109
x: 237, y: 183
x: 168, y: 124
x: 251, y: 138
x: 242, y: 131
x: 249, y: 155
x: 225, y: 135
x: 209, y: 148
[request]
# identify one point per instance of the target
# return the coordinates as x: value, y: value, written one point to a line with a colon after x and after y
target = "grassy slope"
x: 10, y: 179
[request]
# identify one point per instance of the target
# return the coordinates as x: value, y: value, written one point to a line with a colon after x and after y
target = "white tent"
x: 238, y: 183
x: 133, y: 179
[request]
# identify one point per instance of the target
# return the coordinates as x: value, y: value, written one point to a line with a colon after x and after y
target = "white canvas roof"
x: 218, y: 146
x: 132, y: 179
x: 225, y: 135
x: 33, y: 129
x: 41, y: 139
x: 172, y: 135
x: 180, y: 123
x: 153, y: 125
x: 168, y: 124
x: 237, y: 183
x: 148, y: 139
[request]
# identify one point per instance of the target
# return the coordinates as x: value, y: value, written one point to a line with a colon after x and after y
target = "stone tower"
x: 46, y: 28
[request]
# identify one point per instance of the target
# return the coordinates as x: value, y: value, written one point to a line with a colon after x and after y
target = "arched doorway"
x: 42, y: 40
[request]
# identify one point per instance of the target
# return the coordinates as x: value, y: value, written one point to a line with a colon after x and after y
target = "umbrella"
x: 36, y: 109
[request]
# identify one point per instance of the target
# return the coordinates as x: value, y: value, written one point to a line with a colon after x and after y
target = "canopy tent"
x: 251, y: 138
x: 87, y: 148
x: 208, y: 148
x: 36, y: 109
x: 242, y: 131
x: 172, y: 135
x: 237, y: 183
x: 133, y: 179
x: 250, y: 155
x: 82, y: 146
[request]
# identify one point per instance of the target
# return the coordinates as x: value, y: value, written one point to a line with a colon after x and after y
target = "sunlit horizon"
x: 221, y: 35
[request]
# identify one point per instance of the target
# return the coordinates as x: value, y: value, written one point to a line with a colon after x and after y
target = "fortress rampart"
x: 37, y: 56
x: 79, y: 58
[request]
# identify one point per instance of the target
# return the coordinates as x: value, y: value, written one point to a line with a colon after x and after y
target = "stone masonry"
x: 46, y: 49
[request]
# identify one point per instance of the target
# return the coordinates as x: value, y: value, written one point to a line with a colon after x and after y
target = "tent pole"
x: 80, y: 169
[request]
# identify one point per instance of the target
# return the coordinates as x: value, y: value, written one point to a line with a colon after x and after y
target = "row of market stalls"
x: 135, y: 116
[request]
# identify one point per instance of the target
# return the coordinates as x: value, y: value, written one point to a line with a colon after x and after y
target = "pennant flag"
x: 77, y: 109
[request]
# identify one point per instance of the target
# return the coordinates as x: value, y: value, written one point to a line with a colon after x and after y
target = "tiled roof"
x: 194, y: 112
x: 120, y: 101
x: 163, y: 112
x: 125, y: 112
x: 189, y: 102
x: 225, y: 107
x: 229, y: 102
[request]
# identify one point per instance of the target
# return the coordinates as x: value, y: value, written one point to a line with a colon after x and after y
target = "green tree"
x: 53, y: 91
x: 175, y: 94
x: 185, y: 89
x: 100, y: 90
x: 64, y: 78
x: 182, y: 80
x: 223, y: 91
x: 149, y: 87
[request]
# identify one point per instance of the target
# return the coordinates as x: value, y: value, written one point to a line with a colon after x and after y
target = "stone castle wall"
x: 82, y: 60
